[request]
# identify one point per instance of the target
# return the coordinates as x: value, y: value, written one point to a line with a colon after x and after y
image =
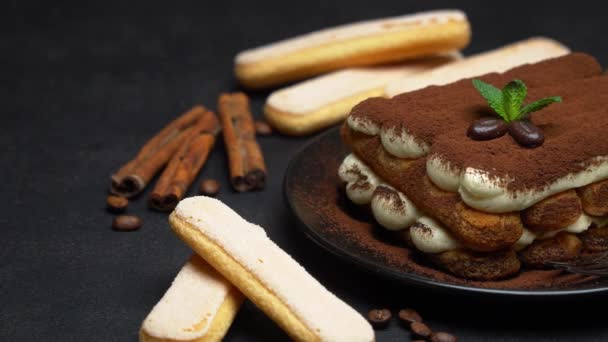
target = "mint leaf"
x: 493, y: 95
x: 513, y: 95
x: 539, y: 104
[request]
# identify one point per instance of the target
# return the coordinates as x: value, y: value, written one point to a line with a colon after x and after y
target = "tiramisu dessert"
x: 483, y: 175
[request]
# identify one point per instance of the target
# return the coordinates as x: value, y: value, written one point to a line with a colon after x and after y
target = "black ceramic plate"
x: 314, y: 193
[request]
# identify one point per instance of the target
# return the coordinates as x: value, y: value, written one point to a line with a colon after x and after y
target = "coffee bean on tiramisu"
x: 126, y: 223
x: 487, y: 129
x: 526, y: 133
x: 210, y: 187
x: 379, y: 318
x: 262, y: 128
x: 117, y: 203
x: 420, y: 329
x: 409, y: 316
x: 443, y: 337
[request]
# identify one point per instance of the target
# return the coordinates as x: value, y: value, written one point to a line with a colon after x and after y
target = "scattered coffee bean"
x: 487, y: 129
x: 526, y: 133
x: 262, y: 128
x: 117, y: 203
x: 420, y: 329
x: 409, y: 316
x: 379, y: 318
x: 210, y: 187
x: 443, y: 337
x: 126, y: 223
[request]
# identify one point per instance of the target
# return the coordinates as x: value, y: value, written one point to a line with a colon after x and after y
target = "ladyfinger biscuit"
x: 314, y: 104
x: 594, y: 198
x: 265, y: 274
x: 553, y: 213
x: 199, y: 306
x: 357, y: 44
x: 562, y: 247
x: 481, y: 266
x: 499, y: 60
x: 595, y: 239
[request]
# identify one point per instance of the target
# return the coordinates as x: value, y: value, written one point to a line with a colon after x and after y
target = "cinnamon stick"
x: 185, y: 163
x: 133, y: 177
x: 246, y: 162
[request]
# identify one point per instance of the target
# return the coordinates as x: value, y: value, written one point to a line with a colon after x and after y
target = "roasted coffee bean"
x: 526, y: 133
x: 420, y: 329
x: 487, y: 129
x: 210, y: 187
x: 379, y: 318
x: 262, y: 128
x: 126, y: 223
x: 443, y: 337
x: 409, y: 316
x: 117, y: 203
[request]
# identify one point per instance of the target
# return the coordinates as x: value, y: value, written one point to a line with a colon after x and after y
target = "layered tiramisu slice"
x: 481, y: 179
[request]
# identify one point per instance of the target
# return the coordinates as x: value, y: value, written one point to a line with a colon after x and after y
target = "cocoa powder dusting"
x: 440, y: 116
x: 434, y: 110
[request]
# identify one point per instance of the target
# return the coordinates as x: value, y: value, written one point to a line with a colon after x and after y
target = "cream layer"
x: 484, y: 192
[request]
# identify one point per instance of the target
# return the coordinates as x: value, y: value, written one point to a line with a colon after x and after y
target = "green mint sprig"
x: 507, y: 103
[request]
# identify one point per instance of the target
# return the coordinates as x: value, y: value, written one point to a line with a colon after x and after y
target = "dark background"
x: 83, y: 85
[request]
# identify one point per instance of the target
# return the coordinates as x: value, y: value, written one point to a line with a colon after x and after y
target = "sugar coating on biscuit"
x: 189, y: 306
x: 349, y: 31
x: 321, y: 311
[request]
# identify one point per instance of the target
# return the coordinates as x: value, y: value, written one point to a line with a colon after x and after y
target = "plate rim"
x: 405, y: 277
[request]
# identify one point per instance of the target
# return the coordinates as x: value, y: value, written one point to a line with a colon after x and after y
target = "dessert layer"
x: 477, y: 230
x: 430, y: 112
x: 393, y: 210
x: 444, y: 248
x: 500, y: 176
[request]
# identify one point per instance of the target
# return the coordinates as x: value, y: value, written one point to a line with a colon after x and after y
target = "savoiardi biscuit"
x: 199, y: 306
x: 314, y: 104
x: 356, y: 44
x: 265, y: 274
x: 531, y: 50
x: 311, y: 105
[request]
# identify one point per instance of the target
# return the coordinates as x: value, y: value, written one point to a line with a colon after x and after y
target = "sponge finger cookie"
x: 314, y: 104
x: 595, y: 239
x: 475, y: 265
x: 265, y: 274
x: 553, y: 213
x: 199, y: 306
x: 363, y: 43
x: 561, y: 247
x: 594, y: 198
x: 499, y: 60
